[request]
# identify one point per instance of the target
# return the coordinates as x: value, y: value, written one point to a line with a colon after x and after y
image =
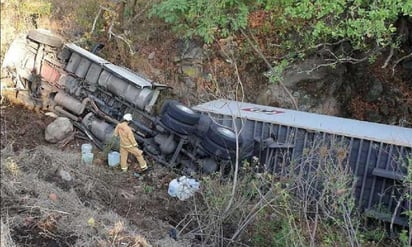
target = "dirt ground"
x: 91, y: 206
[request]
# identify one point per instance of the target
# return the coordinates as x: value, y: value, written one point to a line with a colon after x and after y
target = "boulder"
x: 314, y: 90
x: 58, y: 130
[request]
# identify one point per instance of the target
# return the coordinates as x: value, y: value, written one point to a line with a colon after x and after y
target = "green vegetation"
x: 294, y: 29
x: 313, y: 21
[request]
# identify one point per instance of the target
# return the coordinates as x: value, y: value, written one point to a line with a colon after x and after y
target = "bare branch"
x: 110, y: 31
x: 336, y: 60
x: 95, y: 20
x: 328, y: 44
x: 257, y: 50
x: 317, y: 67
x: 400, y: 60
x: 141, y: 12
x: 120, y: 36
x: 388, y: 58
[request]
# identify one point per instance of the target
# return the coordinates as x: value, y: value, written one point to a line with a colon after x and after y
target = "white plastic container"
x: 87, y: 158
x: 113, y: 158
x: 87, y: 148
x: 183, y: 187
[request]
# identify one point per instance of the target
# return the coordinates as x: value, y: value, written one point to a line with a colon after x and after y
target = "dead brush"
x: 6, y: 239
x: 119, y: 237
x: 27, y: 204
x: 49, y: 224
x: 12, y: 167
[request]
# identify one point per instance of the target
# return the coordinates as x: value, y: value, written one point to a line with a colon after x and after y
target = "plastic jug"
x: 113, y: 159
x: 183, y: 187
x: 86, y: 148
x: 87, y: 158
x: 174, y: 186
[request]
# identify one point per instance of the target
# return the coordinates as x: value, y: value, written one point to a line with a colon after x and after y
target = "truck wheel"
x: 175, y: 125
x: 44, y: 37
x: 182, y: 113
x: 215, y: 150
x: 223, y: 136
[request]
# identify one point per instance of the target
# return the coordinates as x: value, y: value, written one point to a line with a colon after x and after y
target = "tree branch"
x: 257, y: 50
x: 388, y: 58
x: 400, y: 60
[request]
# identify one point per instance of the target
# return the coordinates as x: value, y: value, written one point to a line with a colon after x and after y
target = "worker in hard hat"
x: 128, y: 144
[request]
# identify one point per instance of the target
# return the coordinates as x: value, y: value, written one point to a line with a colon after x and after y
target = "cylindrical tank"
x: 69, y: 103
x: 138, y: 97
x: 83, y: 67
x: 73, y: 62
x: 93, y: 73
x: 99, y: 128
x: 102, y: 130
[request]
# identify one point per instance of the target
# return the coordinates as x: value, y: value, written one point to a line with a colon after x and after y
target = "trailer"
x: 378, y: 155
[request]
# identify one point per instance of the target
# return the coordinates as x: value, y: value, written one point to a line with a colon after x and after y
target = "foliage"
x: 86, y: 12
x: 312, y: 21
x: 294, y: 28
x: 28, y: 12
x: 204, y: 18
x: 276, y: 74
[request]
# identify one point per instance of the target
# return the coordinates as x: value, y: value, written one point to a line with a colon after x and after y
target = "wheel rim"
x: 226, y: 132
x: 185, y: 109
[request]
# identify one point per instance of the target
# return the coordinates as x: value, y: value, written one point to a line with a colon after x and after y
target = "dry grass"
x: 37, y: 201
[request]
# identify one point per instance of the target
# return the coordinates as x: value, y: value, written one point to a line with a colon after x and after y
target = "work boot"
x: 143, y: 170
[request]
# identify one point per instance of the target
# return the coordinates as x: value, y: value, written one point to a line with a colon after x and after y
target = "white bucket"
x: 87, y: 148
x: 87, y: 158
x: 113, y: 159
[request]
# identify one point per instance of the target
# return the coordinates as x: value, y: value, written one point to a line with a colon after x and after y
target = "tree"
x: 341, y: 31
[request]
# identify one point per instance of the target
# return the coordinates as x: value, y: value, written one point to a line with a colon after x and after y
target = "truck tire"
x: 45, y: 37
x: 182, y: 113
x: 216, y: 150
x: 223, y: 136
x: 175, y: 125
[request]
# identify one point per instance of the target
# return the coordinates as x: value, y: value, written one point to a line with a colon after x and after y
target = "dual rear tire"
x: 179, y: 117
x: 217, y: 141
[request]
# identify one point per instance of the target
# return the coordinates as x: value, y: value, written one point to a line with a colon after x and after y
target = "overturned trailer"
x: 46, y: 74
x: 378, y: 155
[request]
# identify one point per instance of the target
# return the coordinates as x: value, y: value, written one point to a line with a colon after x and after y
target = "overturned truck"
x: 46, y: 74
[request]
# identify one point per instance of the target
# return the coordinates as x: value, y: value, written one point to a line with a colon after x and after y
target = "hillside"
x: 50, y: 198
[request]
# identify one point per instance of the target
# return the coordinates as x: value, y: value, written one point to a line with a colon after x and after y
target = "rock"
x: 195, y: 53
x: 64, y: 175
x: 189, y: 82
x: 329, y: 106
x: 314, y: 90
x: 192, y: 71
x: 58, y: 130
x: 384, y: 109
x: 372, y: 116
x: 407, y: 64
x: 53, y: 197
x: 151, y: 55
x: 375, y: 91
x: 303, y: 72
